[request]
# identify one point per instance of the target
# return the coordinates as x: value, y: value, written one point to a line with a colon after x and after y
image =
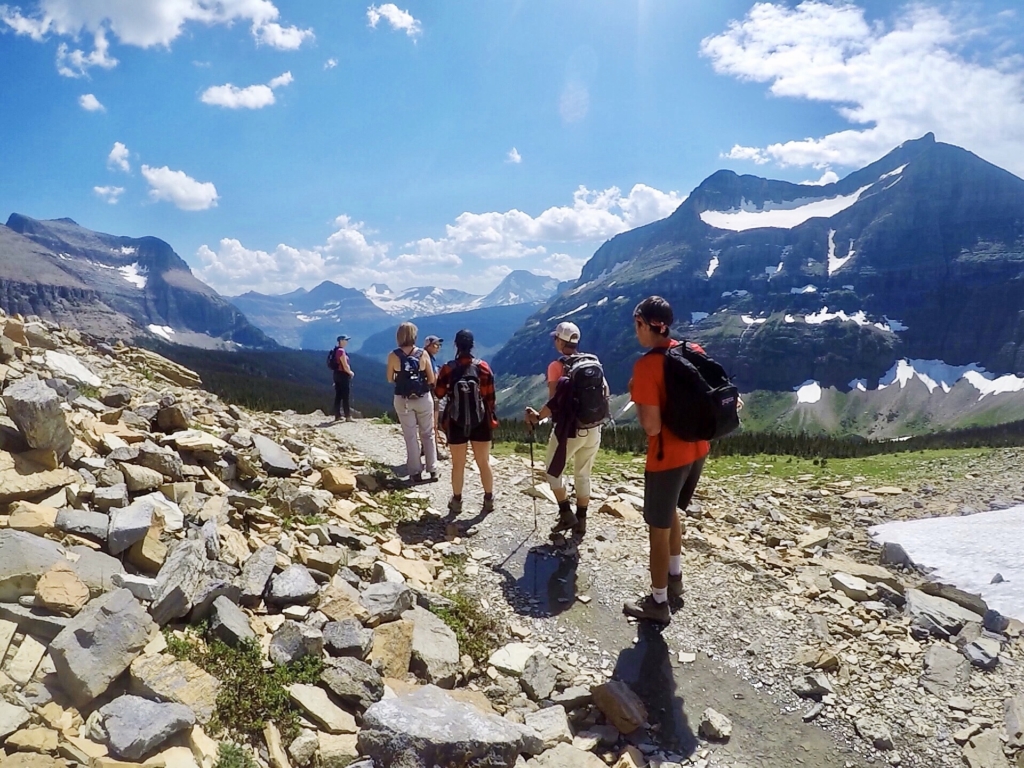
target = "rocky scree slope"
x: 148, y: 532
x: 113, y: 287
x: 919, y: 255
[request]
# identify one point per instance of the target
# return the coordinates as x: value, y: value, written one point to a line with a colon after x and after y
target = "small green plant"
x: 233, y: 756
x: 250, y: 696
x: 384, y: 418
x: 478, y: 632
x: 87, y: 390
x: 289, y: 522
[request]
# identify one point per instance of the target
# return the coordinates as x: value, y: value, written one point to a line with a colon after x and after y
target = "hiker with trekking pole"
x: 578, y: 406
x: 683, y: 399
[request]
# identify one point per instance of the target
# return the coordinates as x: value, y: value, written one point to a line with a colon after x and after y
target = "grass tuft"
x: 233, y: 756
x: 478, y: 632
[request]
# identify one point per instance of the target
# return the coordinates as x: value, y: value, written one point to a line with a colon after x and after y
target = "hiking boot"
x: 675, y: 586
x: 648, y: 609
x: 488, y: 505
x: 455, y: 506
x: 566, y: 521
x: 580, y: 529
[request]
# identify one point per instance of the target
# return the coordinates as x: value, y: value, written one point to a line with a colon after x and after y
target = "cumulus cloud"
x: 250, y: 97
x: 514, y: 157
x: 179, y: 188
x: 109, y: 194
x: 90, y: 103
x: 754, y: 154
x: 330, y: 63
x: 399, y: 20
x: 562, y: 266
x: 118, y: 158
x: 828, y: 177
x: 889, y: 81
x: 141, y: 24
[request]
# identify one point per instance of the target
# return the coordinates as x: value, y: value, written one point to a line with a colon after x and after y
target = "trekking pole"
x: 531, y: 439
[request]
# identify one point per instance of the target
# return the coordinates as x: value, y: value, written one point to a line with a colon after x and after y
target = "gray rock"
x: 347, y: 638
x: 116, y: 397
x: 11, y: 719
x: 966, y: 600
x: 985, y: 750
x: 38, y: 622
x: 895, y: 554
x: 108, y: 477
x: 92, y: 525
x: 137, y: 726
x: 173, y: 418
x: 435, y: 649
x: 178, y: 581
x: 35, y: 410
x: 714, y: 725
x: 95, y: 569
x: 106, y: 499
x: 229, y: 622
x: 141, y: 479
x: 551, y: 724
x: 164, y: 460
x: 427, y: 728
x: 812, y: 686
x: 293, y: 641
x: 129, y: 525
x: 386, y: 602
x: 875, y: 731
x: 303, y: 748
x: 210, y: 589
x: 945, y: 670
x: 256, y: 573
x: 277, y: 462
x: 983, y: 652
x: 99, y: 644
x: 943, y: 618
x: 143, y: 587
x: 568, y: 756
x: 24, y: 557
x: 539, y: 677
x: 572, y: 698
x: 292, y: 586
x: 354, y: 682
x: 1013, y: 718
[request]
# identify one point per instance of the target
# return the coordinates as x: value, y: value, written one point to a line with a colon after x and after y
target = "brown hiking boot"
x: 648, y: 609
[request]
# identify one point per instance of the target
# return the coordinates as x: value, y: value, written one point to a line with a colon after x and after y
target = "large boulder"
x: 136, y: 726
x: 428, y: 728
x: 99, y: 644
x: 229, y: 622
x: 22, y: 478
x: 354, y: 682
x: 293, y: 641
x: 435, y: 649
x: 162, y: 677
x: 277, y: 462
x: 941, y: 617
x: 35, y: 409
x: 386, y: 601
x: 178, y: 581
x: 256, y: 573
x: 293, y: 585
x: 347, y: 637
x: 24, y: 558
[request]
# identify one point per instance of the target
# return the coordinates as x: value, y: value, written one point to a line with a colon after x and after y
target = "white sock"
x: 660, y: 595
x: 675, y: 565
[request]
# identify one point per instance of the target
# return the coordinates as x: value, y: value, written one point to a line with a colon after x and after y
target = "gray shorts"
x: 668, y: 490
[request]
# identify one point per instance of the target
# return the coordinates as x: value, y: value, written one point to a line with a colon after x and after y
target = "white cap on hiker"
x: 569, y: 332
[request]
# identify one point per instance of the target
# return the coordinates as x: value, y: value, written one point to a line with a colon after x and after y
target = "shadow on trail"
x: 647, y: 669
x: 548, y: 584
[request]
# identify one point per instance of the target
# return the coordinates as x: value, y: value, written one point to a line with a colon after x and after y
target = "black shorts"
x: 666, y: 491
x: 480, y: 434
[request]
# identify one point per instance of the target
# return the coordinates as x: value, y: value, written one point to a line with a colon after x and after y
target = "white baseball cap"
x: 569, y: 332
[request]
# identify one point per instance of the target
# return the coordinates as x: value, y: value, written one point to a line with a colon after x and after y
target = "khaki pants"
x: 581, y: 451
x: 416, y: 415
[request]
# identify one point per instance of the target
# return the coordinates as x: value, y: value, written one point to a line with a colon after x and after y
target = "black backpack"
x: 466, y: 410
x: 332, y: 359
x: 589, y: 395
x: 701, y: 402
x: 411, y: 380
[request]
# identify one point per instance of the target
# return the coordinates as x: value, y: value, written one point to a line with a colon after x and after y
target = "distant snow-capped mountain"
x: 520, y: 287
x: 421, y: 301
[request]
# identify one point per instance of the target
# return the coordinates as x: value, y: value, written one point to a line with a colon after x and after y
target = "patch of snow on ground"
x: 994, y: 386
x: 848, y: 288
x: 834, y: 262
x: 935, y: 374
x: 580, y: 308
x: 808, y: 392
x: 805, y: 289
x: 861, y: 385
x: 602, y: 302
x: 754, y: 321
x: 128, y: 250
x: 897, y: 172
x: 696, y: 317
x: 779, y: 215
x: 304, y: 318
x: 892, y: 184
x: 789, y: 319
x: 713, y: 265
x: 858, y: 317
x: 967, y: 552
x: 161, y: 330
x: 72, y: 367
x: 132, y: 274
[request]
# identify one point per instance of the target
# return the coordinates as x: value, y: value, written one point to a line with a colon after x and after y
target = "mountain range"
x: 114, y: 287
x: 918, y: 256
x: 313, y: 319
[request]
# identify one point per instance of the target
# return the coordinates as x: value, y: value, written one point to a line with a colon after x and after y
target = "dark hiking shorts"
x: 482, y: 433
x: 668, y: 490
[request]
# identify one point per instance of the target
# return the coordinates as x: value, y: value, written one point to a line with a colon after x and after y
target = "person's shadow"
x: 548, y: 584
x: 647, y: 669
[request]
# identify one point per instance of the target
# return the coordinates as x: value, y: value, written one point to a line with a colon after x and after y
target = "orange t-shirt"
x: 648, y: 388
x: 555, y: 371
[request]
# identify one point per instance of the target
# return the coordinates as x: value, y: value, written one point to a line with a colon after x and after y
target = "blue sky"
x: 278, y: 143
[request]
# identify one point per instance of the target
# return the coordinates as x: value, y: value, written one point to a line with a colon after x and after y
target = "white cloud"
x: 90, y: 103
x: 574, y: 103
x: 891, y: 82
x: 141, y: 23
x: 330, y: 63
x: 179, y: 188
x: 828, y: 177
x: 250, y: 97
x: 562, y: 266
x: 400, y: 20
x: 109, y: 194
x: 514, y: 157
x: 118, y: 158
x: 753, y: 154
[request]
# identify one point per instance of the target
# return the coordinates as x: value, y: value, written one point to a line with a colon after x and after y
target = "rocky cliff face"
x: 113, y: 286
x: 918, y: 255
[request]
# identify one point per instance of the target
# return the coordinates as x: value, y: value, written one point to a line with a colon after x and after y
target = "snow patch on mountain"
x: 935, y: 374
x: 713, y: 265
x: 780, y: 215
x: 696, y: 317
x: 834, y: 262
x: 808, y: 392
x: 164, y: 331
x: 134, y: 275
